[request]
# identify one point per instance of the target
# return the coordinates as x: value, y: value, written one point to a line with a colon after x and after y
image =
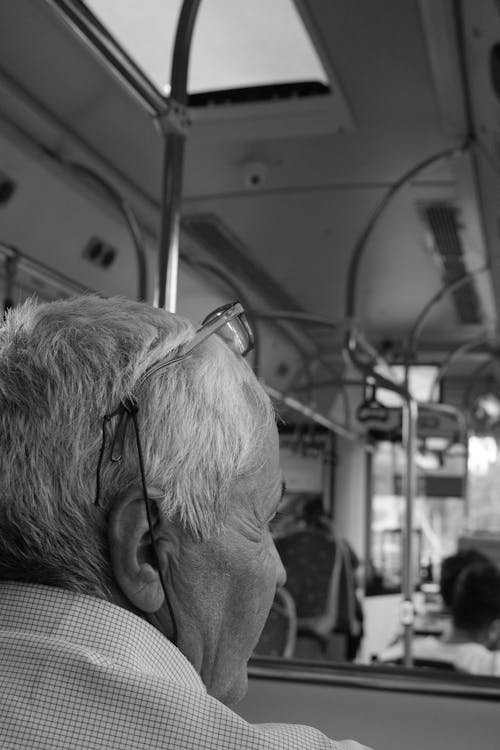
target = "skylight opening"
x: 236, y: 44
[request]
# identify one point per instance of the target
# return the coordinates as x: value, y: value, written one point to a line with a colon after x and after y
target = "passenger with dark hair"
x: 476, y: 619
x: 452, y: 566
x: 474, y: 636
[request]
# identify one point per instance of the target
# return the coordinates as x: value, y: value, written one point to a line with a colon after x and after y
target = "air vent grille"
x: 442, y: 220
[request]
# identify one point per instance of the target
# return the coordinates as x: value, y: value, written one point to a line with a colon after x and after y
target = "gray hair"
x: 63, y: 367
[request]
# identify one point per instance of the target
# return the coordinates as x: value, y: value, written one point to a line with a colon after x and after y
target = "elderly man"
x: 139, y: 474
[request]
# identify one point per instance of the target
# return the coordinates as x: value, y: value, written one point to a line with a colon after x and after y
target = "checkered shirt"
x: 79, y: 672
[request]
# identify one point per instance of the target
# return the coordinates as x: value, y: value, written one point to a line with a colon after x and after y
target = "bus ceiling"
x: 340, y: 175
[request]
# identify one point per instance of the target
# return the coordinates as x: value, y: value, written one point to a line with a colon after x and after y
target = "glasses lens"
x: 236, y: 331
x: 238, y: 335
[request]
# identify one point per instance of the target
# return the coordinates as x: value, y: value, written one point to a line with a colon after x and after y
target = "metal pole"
x: 369, y: 491
x: 168, y: 255
x: 407, y: 608
x: 173, y: 160
x: 466, y: 488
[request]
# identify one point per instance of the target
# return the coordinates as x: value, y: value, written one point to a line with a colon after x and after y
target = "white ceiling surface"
x: 320, y: 183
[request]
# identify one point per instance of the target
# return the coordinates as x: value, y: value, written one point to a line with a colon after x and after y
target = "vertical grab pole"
x: 407, y: 608
x: 466, y: 489
x: 369, y: 491
x: 173, y: 161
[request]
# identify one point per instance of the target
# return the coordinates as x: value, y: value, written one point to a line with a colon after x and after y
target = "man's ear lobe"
x: 132, y: 555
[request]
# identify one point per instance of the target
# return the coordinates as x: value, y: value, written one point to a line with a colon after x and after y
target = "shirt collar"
x: 101, y: 628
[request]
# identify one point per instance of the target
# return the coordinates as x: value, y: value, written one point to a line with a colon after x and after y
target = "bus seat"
x: 321, y: 581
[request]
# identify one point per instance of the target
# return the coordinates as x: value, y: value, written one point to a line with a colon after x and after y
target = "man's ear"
x: 132, y: 556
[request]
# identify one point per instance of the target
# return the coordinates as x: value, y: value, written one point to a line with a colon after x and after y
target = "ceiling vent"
x: 442, y: 221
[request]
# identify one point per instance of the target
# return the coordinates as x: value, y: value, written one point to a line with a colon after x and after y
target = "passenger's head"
x: 210, y: 452
x: 451, y: 568
x: 476, y: 603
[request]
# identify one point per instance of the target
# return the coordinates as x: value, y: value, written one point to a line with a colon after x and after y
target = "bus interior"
x: 335, y: 166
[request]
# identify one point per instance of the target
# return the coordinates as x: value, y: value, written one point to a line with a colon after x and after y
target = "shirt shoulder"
x: 476, y: 659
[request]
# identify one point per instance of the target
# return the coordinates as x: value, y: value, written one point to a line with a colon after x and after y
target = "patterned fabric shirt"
x: 79, y: 672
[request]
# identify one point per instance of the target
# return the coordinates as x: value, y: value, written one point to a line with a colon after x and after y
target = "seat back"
x: 320, y: 579
x: 309, y: 557
x: 280, y: 631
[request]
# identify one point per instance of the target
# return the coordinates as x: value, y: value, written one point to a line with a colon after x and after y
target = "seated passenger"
x: 475, y: 626
x: 321, y: 577
x: 139, y: 472
x: 476, y: 617
x: 451, y: 567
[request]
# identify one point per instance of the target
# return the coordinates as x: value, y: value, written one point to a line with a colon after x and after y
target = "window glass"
x: 483, y: 484
x: 421, y: 385
x: 439, y: 516
x: 236, y: 44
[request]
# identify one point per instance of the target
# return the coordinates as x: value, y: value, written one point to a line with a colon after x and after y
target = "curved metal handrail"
x: 130, y: 219
x: 473, y: 380
x: 452, y: 356
x: 306, y: 317
x: 361, y: 242
x: 452, y: 286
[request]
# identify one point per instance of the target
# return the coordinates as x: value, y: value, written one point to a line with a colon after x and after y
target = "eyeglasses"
x: 229, y: 322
